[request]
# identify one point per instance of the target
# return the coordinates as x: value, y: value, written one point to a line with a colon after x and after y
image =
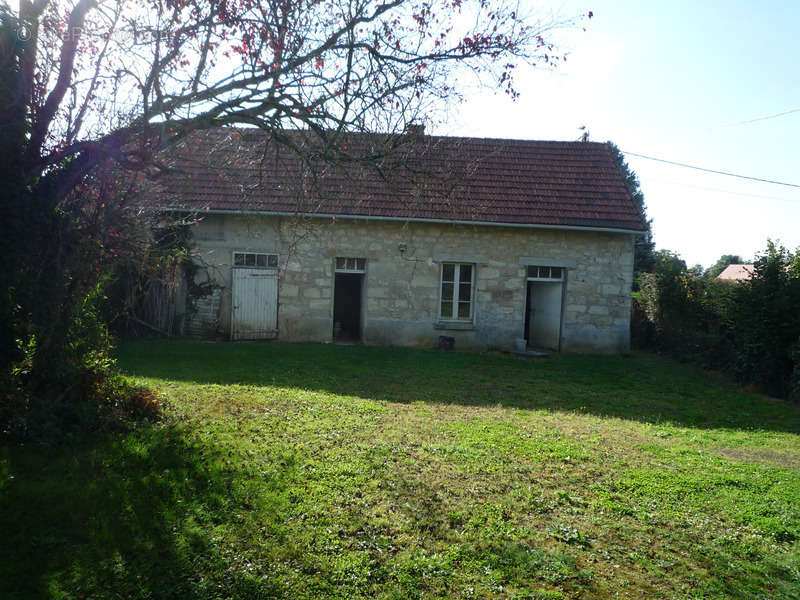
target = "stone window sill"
x: 455, y: 325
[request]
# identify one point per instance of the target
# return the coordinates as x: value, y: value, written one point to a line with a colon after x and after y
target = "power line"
x: 678, y: 164
x: 776, y: 115
x: 713, y: 189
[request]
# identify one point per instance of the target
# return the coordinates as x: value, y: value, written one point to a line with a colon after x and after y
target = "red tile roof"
x: 734, y: 272
x: 561, y: 184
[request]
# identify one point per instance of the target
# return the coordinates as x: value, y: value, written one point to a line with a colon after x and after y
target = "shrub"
x: 83, y: 390
x: 767, y: 323
x: 749, y: 329
x: 794, y: 393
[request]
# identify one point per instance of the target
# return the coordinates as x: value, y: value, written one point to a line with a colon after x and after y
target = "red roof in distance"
x: 734, y: 272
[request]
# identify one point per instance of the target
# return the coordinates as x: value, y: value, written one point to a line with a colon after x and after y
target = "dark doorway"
x: 347, y: 307
x: 528, y: 314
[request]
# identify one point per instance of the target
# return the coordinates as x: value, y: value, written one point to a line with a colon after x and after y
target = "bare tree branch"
x: 51, y: 105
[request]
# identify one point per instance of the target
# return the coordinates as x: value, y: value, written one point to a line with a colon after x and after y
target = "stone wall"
x: 401, y: 288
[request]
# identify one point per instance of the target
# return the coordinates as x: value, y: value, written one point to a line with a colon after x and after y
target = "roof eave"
x: 409, y: 219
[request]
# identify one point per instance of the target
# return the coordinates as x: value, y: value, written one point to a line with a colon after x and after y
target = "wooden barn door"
x: 255, y: 304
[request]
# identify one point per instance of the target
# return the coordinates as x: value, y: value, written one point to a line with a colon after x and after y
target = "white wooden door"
x: 545, y: 317
x: 254, y: 304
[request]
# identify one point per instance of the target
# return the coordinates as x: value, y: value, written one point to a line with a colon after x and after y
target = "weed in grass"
x: 568, y: 534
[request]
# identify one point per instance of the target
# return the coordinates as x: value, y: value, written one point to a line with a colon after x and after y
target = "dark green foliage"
x: 681, y: 314
x: 643, y: 246
x: 65, y: 229
x: 719, y: 266
x: 697, y: 270
x: 750, y: 329
x: 52, y: 346
x: 794, y: 382
x: 83, y: 390
x: 60, y: 252
x: 766, y: 314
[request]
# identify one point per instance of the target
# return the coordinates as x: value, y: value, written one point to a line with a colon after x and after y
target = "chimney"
x: 415, y: 129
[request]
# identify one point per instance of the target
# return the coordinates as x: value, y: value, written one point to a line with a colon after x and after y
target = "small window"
x: 457, y: 291
x: 548, y: 273
x: 350, y: 264
x: 255, y: 260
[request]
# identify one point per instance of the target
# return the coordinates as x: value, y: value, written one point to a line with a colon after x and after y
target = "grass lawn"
x: 347, y: 472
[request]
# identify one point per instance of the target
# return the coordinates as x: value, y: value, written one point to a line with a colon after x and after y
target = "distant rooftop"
x: 741, y: 272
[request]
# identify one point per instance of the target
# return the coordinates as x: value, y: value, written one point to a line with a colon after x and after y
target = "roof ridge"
x: 577, y: 143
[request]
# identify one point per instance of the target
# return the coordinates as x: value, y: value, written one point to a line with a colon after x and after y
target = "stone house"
x: 500, y: 244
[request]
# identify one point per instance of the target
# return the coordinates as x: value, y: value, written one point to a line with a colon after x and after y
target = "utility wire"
x: 678, y: 164
x: 776, y: 115
x: 720, y: 190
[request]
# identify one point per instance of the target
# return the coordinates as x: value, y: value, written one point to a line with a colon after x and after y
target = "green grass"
x: 347, y: 472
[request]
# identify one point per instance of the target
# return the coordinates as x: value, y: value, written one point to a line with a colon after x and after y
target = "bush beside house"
x: 749, y: 329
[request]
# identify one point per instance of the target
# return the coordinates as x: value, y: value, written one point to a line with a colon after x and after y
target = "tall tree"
x: 92, y: 89
x: 644, y: 258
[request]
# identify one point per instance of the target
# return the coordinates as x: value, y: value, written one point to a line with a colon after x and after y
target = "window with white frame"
x: 350, y: 264
x: 457, y: 291
x: 537, y: 273
x: 255, y: 260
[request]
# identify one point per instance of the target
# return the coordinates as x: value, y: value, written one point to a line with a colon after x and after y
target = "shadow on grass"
x: 126, y: 516
x: 643, y: 388
x: 154, y: 514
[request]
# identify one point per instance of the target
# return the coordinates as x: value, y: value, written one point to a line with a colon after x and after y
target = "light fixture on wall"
x: 402, y: 248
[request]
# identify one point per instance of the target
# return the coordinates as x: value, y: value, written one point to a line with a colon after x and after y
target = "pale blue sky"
x: 674, y: 80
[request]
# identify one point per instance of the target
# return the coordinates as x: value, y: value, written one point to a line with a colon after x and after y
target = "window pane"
x: 448, y: 272
x: 466, y: 274
x: 261, y: 260
x: 555, y: 272
x: 544, y: 272
x: 447, y: 291
x: 272, y: 260
x: 463, y: 310
x: 238, y: 259
x: 340, y: 262
x: 351, y: 264
x: 360, y: 263
x: 250, y: 260
x: 533, y: 271
x: 464, y: 291
x: 447, y: 310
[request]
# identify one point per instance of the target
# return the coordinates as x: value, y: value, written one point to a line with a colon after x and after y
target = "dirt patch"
x: 761, y: 456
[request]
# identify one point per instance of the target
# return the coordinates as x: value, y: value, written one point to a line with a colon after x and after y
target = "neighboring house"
x: 494, y: 243
x: 737, y: 273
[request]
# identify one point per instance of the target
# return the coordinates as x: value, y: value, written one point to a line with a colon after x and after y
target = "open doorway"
x: 543, y: 303
x: 347, y: 299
